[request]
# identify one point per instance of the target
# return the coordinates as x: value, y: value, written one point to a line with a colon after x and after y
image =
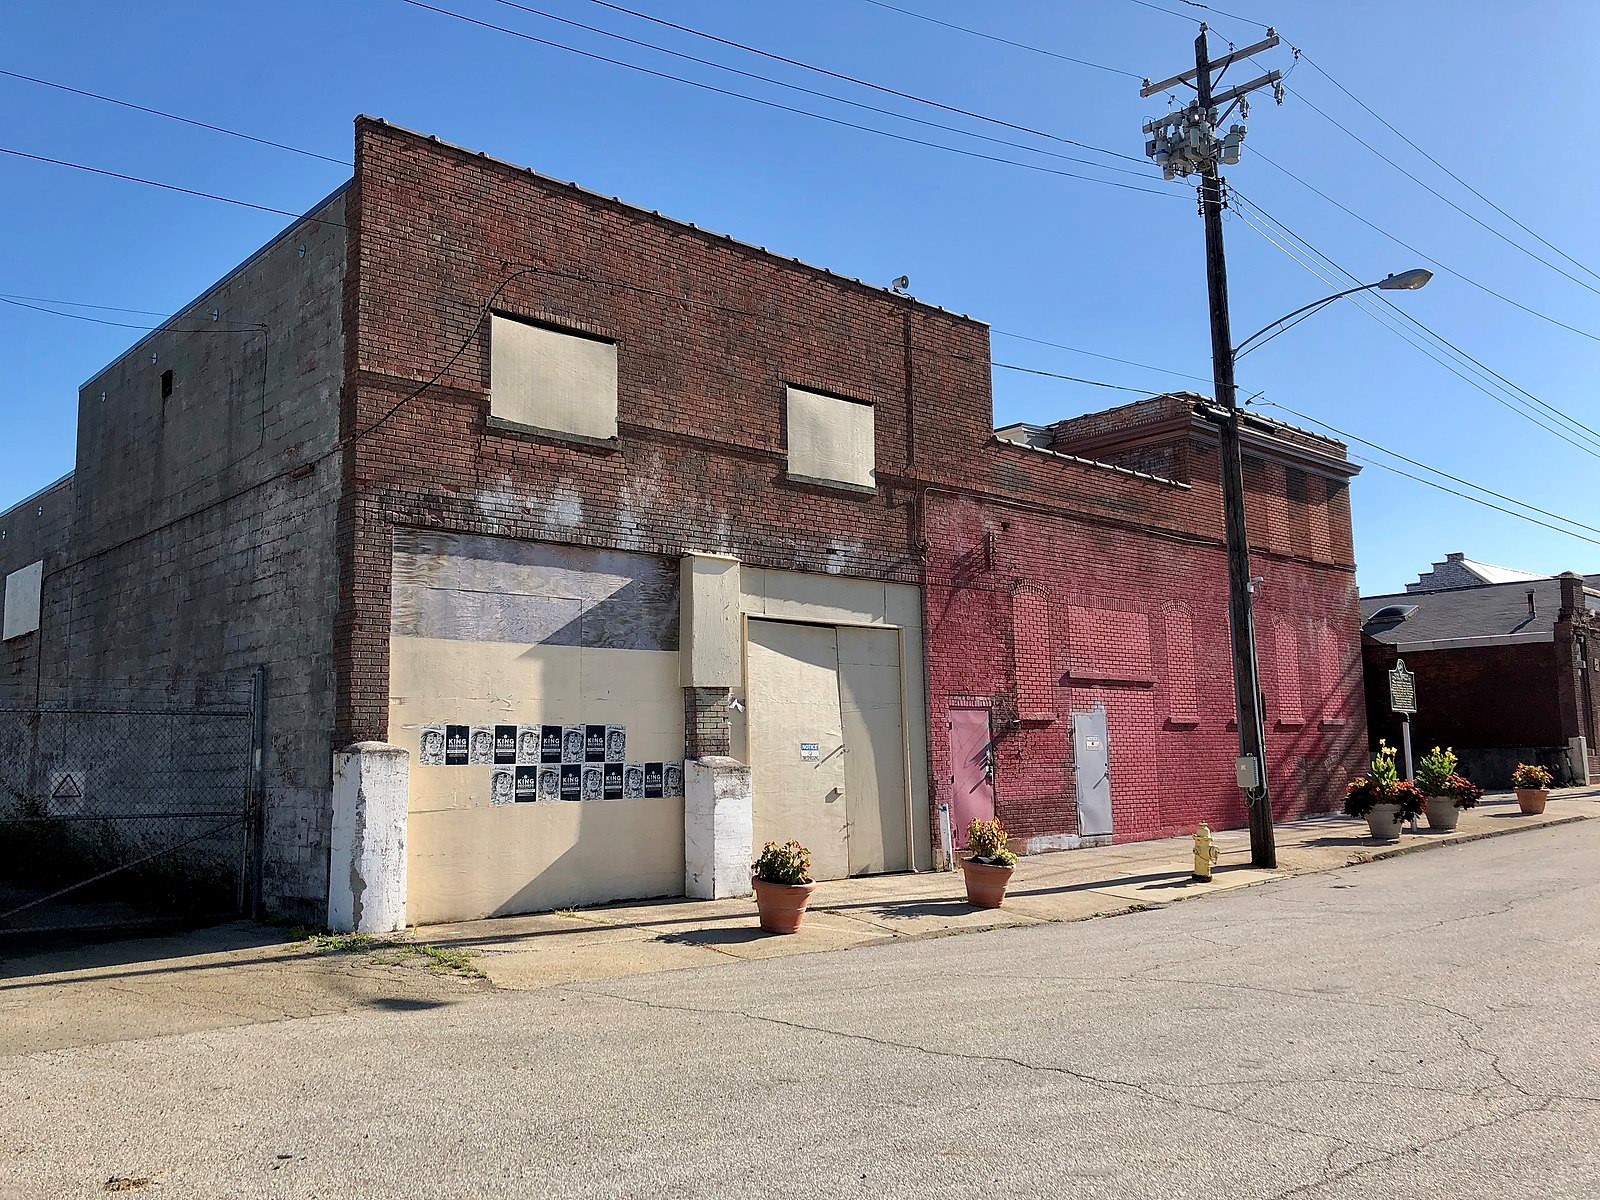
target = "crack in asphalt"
x: 1417, y: 1149
x: 1104, y: 1083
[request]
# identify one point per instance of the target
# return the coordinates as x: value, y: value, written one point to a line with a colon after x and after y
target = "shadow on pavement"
x: 24, y: 953
x: 716, y: 937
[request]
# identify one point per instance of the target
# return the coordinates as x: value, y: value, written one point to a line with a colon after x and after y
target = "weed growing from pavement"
x: 439, y: 960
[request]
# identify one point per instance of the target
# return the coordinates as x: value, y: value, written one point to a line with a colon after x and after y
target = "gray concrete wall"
x: 202, y: 535
x: 35, y: 528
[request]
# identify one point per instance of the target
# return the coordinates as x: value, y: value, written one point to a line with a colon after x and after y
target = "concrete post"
x: 717, y: 828
x: 367, y: 852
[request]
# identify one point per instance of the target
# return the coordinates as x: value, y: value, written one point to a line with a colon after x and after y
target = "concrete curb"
x: 1458, y: 839
x: 1360, y: 858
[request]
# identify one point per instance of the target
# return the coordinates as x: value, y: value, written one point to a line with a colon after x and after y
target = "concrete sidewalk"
x: 245, y: 974
x: 628, y: 939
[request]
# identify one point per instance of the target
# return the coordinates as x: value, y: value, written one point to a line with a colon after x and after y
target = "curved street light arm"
x: 1244, y: 347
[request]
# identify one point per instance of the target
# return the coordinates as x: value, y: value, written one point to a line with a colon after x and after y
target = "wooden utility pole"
x: 1183, y: 144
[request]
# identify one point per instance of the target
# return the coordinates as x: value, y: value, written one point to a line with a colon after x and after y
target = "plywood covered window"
x: 552, y: 381
x: 23, y: 589
x: 830, y: 440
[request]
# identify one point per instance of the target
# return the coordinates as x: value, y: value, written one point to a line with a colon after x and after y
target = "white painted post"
x: 367, y: 850
x: 718, y: 828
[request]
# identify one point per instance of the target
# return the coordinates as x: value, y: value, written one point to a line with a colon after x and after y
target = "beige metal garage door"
x: 827, y: 745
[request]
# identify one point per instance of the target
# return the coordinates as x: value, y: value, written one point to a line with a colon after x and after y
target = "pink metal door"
x: 972, y: 766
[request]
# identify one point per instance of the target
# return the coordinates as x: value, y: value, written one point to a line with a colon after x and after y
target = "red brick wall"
x: 709, y: 333
x: 1139, y: 623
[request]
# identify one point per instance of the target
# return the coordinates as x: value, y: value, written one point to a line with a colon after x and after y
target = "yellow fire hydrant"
x: 1205, y: 853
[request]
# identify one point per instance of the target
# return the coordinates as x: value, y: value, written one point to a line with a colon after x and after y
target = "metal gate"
x: 118, y: 814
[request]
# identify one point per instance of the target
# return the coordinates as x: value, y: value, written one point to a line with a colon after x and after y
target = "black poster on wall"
x: 594, y: 743
x: 456, y: 745
x: 505, y: 744
x: 571, y: 781
x: 611, y: 784
x: 549, y: 743
x: 652, y: 781
x: 527, y: 787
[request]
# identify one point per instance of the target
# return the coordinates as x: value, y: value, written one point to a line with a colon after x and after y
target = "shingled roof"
x: 1457, y: 618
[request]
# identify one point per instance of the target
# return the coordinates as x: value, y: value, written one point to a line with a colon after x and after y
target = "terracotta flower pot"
x: 986, y: 883
x: 1384, y: 822
x: 781, y: 905
x: 1442, y: 813
x: 1531, y: 800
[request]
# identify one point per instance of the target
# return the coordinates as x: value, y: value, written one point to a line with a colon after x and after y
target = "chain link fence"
x: 144, y: 805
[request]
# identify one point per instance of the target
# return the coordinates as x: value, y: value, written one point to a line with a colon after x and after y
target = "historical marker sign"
x: 1402, y: 688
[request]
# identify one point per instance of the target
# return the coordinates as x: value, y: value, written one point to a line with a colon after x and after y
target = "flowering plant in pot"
x: 1533, y: 787
x: 781, y: 877
x: 1445, y: 791
x: 1382, y: 797
x: 988, y: 865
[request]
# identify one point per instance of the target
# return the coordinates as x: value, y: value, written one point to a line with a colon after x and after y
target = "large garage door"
x: 827, y: 749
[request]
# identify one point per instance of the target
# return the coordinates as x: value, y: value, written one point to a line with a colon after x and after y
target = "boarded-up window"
x: 1032, y: 659
x: 1287, y: 704
x: 1333, y: 680
x: 830, y: 440
x: 1111, y: 644
x: 23, y: 589
x: 1177, y: 627
x: 549, y: 380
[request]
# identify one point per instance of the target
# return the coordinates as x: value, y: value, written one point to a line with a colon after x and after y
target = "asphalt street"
x: 1420, y: 1027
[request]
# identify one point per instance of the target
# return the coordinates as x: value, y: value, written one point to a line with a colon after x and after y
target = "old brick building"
x: 519, y: 462
x: 1504, y: 672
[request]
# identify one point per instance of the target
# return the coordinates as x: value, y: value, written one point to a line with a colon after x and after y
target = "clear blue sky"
x: 1489, y: 91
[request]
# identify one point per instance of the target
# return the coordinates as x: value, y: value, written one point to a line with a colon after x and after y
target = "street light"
x: 1406, y: 281
x: 1252, y: 762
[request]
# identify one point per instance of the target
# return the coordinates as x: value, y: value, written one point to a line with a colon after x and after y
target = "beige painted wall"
x: 838, y: 601
x: 709, y: 599
x: 536, y: 635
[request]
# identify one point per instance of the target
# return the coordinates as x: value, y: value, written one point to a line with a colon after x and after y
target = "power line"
x: 1206, y: 7
x: 866, y: 83
x: 1438, y: 195
x: 1421, y: 348
x: 1482, y: 287
x: 156, y: 112
x: 15, y: 303
x: 170, y: 187
x: 1317, y: 67
x: 1424, y: 466
x: 794, y: 87
x: 1382, y: 466
x: 899, y: 137
x: 1379, y: 315
x: 143, y: 312
x: 1115, y: 387
x: 1127, y: 362
x: 978, y: 33
x: 1488, y: 372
